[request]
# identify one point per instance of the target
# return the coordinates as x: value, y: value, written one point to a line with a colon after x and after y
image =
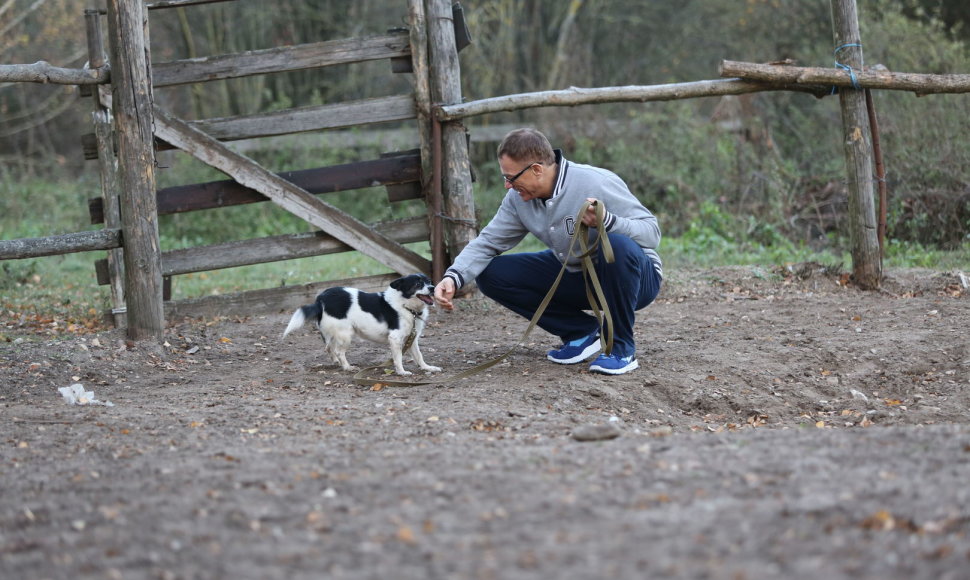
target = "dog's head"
x: 415, y: 287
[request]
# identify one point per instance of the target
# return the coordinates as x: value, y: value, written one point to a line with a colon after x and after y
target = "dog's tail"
x: 302, y: 314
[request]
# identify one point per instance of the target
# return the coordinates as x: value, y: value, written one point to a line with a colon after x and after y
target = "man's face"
x: 521, y: 176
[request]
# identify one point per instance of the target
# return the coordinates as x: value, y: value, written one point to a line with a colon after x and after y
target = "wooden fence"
x: 129, y: 128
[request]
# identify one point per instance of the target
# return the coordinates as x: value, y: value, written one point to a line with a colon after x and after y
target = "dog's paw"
x: 432, y: 369
x: 404, y: 373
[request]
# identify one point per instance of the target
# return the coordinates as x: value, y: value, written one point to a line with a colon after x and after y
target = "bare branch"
x: 585, y: 96
x: 877, y: 77
x: 43, y: 72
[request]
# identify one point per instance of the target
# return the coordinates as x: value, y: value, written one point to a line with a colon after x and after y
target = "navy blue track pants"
x: 520, y: 282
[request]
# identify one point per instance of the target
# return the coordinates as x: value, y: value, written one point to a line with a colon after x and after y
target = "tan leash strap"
x: 596, y: 298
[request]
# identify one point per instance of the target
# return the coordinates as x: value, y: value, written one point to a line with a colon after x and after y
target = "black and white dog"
x: 395, y: 316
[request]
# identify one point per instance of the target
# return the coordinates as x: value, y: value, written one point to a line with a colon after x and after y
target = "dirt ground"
x: 783, y: 424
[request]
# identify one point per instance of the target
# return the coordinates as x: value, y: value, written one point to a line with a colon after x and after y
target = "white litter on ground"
x: 76, y: 395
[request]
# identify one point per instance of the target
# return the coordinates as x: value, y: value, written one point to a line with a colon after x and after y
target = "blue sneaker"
x: 611, y: 364
x: 576, y: 351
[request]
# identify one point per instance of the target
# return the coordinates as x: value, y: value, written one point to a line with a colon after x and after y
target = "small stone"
x: 599, y: 432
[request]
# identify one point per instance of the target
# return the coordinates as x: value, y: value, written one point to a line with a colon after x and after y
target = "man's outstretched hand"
x: 444, y: 292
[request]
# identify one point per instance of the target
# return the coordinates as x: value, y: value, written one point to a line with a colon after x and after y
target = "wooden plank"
x: 282, y: 301
x: 863, y: 228
x: 271, y: 249
x: 293, y: 199
x: 281, y: 59
x: 132, y: 108
x: 278, y: 248
x: 337, y: 116
x: 404, y: 191
x: 876, y: 77
x: 385, y: 171
x: 61, y: 244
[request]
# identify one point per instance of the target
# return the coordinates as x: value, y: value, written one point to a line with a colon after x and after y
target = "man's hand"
x: 444, y: 292
x: 589, y: 218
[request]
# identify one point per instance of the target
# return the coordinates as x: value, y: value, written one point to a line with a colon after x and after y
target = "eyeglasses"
x: 511, y: 180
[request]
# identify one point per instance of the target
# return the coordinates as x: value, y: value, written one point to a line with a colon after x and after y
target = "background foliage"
x: 757, y: 178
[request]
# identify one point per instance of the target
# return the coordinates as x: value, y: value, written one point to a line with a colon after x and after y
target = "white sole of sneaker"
x: 590, y: 351
x: 634, y: 364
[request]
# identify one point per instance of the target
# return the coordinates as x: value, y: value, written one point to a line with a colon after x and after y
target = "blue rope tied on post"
x: 845, y: 67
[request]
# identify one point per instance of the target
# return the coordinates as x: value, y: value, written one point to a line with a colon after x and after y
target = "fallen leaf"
x: 881, y: 520
x: 405, y: 535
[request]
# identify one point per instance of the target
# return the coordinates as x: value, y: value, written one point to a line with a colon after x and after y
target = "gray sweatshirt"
x: 553, y: 220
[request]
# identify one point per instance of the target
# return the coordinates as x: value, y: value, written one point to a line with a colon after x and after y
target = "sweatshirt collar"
x: 563, y: 167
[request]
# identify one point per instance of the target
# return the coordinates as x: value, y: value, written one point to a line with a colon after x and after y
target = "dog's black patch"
x: 409, y: 285
x: 377, y: 306
x: 336, y: 302
x: 313, y: 311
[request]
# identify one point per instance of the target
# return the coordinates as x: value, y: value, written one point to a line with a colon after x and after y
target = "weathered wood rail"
x: 19, y: 249
x: 391, y: 171
x: 876, y: 77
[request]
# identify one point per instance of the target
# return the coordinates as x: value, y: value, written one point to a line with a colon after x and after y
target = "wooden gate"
x: 406, y: 175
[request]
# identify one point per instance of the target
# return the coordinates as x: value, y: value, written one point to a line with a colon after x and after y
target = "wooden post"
x: 866, y: 258
x: 446, y: 90
x: 418, y: 28
x: 132, y: 106
x: 107, y: 164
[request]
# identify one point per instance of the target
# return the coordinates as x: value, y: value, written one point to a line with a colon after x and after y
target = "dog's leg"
x: 397, y: 355
x: 419, y: 359
x: 337, y: 346
x: 340, y: 357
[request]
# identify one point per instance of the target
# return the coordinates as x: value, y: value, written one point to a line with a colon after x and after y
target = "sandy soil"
x: 783, y: 424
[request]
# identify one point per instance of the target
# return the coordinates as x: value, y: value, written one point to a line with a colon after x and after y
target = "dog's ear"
x: 401, y: 284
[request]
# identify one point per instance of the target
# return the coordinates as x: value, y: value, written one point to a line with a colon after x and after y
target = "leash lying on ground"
x: 594, y: 293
